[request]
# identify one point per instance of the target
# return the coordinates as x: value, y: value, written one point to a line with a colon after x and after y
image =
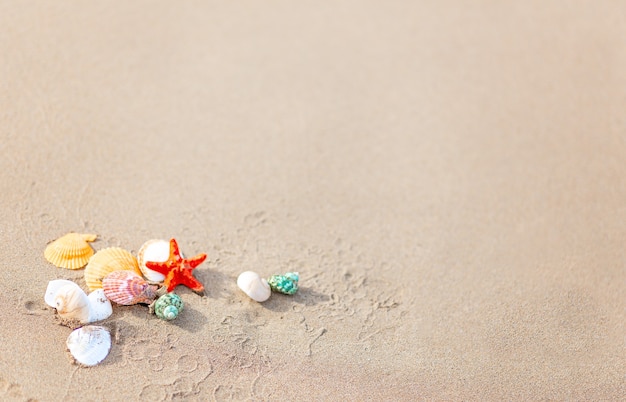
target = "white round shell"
x: 254, y: 286
x: 155, y: 250
x: 99, y: 306
x: 89, y: 345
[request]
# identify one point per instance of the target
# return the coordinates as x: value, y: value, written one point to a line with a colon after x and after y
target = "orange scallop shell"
x: 106, y: 261
x: 126, y: 287
x: 71, y: 251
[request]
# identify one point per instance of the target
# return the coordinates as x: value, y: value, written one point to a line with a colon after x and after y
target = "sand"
x: 448, y: 178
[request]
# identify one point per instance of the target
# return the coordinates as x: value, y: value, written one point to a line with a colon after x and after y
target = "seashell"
x: 89, y: 345
x: 287, y: 284
x: 154, y: 250
x: 68, y: 299
x: 126, y: 287
x: 254, y: 286
x: 106, y: 261
x: 71, y: 251
x: 168, y: 306
x: 99, y: 306
x: 72, y: 304
x: 53, y: 288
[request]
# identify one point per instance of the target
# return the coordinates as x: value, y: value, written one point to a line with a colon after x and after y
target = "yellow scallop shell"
x: 71, y: 251
x: 106, y: 261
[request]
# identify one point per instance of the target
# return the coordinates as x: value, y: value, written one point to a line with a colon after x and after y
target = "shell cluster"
x: 115, y: 275
x: 112, y: 275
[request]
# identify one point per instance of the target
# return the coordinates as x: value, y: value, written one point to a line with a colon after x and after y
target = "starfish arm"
x: 171, y: 280
x: 197, y: 260
x: 192, y: 283
x: 160, y: 267
x: 174, y: 250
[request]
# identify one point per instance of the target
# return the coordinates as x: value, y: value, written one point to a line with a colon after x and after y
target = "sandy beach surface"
x: 448, y: 177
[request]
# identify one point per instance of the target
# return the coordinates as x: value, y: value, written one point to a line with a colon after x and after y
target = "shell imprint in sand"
x: 106, y: 261
x: 71, y: 251
x: 126, y: 287
x: 89, y: 345
x: 154, y: 250
x: 72, y: 304
x: 168, y: 306
x: 254, y: 286
x: 287, y: 284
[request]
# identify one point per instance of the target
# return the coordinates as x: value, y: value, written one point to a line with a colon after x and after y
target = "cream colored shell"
x: 106, y: 261
x: 155, y: 250
x: 100, y: 307
x: 68, y: 299
x: 72, y: 304
x: 254, y: 286
x: 71, y: 251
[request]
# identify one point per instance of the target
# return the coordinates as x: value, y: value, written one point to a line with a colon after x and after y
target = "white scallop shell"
x: 254, y: 286
x: 155, y: 250
x: 89, y: 345
x: 68, y: 299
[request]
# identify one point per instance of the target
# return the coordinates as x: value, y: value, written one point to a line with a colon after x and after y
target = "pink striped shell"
x: 126, y: 287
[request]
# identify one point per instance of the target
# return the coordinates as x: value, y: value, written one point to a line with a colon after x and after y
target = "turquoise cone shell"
x: 168, y: 306
x: 287, y: 284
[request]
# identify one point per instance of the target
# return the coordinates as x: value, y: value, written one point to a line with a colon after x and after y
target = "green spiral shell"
x: 168, y: 306
x: 287, y: 284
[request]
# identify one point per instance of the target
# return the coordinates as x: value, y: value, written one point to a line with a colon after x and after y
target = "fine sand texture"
x: 448, y: 177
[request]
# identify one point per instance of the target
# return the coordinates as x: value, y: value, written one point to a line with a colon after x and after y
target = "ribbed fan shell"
x: 126, y: 287
x: 106, y: 261
x: 71, y: 251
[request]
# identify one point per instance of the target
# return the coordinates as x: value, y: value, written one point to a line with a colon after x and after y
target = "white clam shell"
x: 89, y: 345
x: 100, y: 307
x: 254, y: 286
x: 155, y: 250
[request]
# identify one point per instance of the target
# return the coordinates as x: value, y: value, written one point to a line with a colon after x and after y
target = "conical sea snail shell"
x: 71, y: 251
x: 72, y: 304
x: 254, y: 286
x: 286, y: 284
x: 106, y: 261
x: 68, y: 299
x: 126, y: 287
x: 155, y: 250
x: 168, y: 306
x: 89, y: 345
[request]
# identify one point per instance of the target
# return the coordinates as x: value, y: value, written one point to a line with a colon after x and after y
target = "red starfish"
x: 177, y: 270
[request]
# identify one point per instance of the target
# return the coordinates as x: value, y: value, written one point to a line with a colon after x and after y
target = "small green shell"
x: 287, y: 284
x: 168, y: 306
